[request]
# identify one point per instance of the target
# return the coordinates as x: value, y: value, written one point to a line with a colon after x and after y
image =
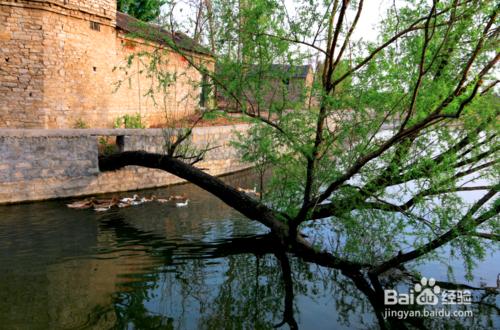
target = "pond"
x: 198, y: 267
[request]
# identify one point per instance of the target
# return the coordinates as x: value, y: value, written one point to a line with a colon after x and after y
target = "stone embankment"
x: 37, y: 164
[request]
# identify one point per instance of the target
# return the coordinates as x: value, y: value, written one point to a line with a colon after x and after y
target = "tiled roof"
x: 157, y: 34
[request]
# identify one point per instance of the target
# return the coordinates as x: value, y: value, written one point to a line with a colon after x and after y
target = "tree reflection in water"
x: 259, y: 288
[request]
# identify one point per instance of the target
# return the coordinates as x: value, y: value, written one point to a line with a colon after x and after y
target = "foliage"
x: 80, y: 123
x: 145, y: 10
x: 105, y: 147
x: 129, y: 121
x: 403, y: 143
x: 391, y: 141
x: 155, y: 66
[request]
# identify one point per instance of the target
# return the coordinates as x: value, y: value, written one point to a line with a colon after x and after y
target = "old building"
x: 61, y: 61
x: 272, y: 86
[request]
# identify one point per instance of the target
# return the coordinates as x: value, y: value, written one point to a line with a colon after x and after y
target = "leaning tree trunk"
x: 277, y: 222
x: 240, y: 201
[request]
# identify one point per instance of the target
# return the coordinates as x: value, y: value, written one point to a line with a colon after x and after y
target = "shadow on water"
x: 158, y: 266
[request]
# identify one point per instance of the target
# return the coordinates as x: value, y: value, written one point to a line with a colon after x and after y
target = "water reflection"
x: 157, y: 266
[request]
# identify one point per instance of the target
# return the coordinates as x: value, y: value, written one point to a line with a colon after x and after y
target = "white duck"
x: 182, y: 204
x: 248, y: 191
x: 150, y: 199
x: 136, y: 202
x: 129, y: 199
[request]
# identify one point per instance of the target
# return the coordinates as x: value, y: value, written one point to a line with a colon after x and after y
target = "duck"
x: 177, y: 197
x: 182, y: 204
x: 162, y: 200
x: 122, y: 205
x: 136, y: 202
x: 101, y: 205
x: 147, y: 200
x: 84, y: 204
x: 248, y: 191
x: 113, y: 201
x: 129, y: 199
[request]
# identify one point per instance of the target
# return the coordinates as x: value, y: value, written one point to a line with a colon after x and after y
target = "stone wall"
x: 21, y: 67
x: 56, y: 70
x: 180, y: 99
x: 43, y: 164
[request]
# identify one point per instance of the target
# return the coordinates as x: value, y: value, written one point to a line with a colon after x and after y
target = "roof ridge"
x: 131, y: 24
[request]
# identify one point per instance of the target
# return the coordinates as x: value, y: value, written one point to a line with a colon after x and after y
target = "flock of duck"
x: 101, y: 205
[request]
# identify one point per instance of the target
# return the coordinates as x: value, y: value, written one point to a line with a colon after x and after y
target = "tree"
x: 390, y: 157
x: 145, y: 10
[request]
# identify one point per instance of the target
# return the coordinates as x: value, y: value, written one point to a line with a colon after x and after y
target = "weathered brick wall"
x: 103, y: 8
x: 43, y: 164
x: 181, y: 98
x: 21, y: 67
x: 56, y: 70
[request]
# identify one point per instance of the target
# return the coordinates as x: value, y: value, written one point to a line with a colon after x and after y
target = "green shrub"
x: 129, y: 121
x: 106, y: 148
x: 79, y: 123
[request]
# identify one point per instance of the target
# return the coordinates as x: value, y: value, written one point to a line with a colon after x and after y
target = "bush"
x: 79, y: 123
x: 128, y: 121
x: 105, y: 147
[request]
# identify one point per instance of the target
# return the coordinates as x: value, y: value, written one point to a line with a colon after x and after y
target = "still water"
x: 157, y: 266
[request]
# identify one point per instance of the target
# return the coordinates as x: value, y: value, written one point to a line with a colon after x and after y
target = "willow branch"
x: 490, y: 236
x: 464, y: 226
x: 349, y: 33
x: 293, y: 40
x: 421, y: 67
x: 412, y: 27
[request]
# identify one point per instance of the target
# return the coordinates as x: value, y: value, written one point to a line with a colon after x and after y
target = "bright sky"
x: 373, y: 11
x: 366, y: 30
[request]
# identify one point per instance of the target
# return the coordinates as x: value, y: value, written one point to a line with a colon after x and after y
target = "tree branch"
x: 421, y: 69
x: 490, y: 236
x: 293, y: 40
x: 231, y: 196
x: 414, y: 26
x: 461, y: 228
